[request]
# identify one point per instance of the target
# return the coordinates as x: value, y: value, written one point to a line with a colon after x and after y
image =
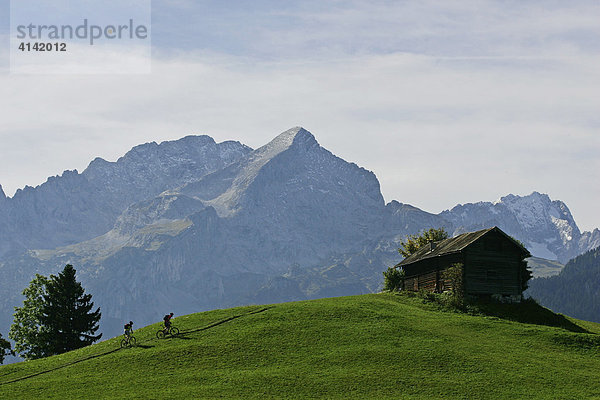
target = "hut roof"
x: 454, y: 245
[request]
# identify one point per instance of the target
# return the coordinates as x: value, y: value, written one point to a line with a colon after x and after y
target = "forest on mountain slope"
x: 575, y: 291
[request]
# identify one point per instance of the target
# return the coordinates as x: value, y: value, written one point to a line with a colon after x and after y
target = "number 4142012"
x: 42, y: 46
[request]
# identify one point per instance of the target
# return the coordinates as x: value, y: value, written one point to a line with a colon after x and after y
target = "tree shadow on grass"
x: 529, y: 312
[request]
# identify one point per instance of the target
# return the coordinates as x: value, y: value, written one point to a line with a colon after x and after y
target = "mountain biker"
x: 167, y: 322
x: 128, y: 329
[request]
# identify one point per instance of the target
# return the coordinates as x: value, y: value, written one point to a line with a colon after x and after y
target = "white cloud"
x: 437, y: 129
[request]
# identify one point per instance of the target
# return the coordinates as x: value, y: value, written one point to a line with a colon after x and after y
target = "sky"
x: 447, y: 102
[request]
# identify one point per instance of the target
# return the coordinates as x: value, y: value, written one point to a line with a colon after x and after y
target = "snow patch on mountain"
x: 545, y: 226
x: 564, y: 227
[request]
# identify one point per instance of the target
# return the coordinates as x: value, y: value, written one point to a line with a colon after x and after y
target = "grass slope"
x: 542, y: 268
x: 370, y: 346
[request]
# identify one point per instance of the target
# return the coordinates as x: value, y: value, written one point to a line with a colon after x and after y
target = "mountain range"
x: 192, y: 225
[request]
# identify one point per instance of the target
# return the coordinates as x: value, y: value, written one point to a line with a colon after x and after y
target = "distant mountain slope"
x: 575, y: 291
x: 75, y: 207
x: 379, y: 346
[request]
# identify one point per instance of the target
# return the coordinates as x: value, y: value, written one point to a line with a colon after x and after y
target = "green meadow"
x: 359, y: 347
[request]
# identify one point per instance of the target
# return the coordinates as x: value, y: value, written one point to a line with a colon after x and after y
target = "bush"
x: 5, y: 349
x: 393, y: 279
x: 454, y: 274
x: 428, y: 297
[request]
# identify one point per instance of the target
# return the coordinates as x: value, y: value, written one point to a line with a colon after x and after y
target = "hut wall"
x: 492, y: 267
x: 428, y: 274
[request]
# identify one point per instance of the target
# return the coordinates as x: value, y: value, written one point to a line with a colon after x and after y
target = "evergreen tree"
x: 5, y: 349
x: 26, y: 329
x: 66, y: 315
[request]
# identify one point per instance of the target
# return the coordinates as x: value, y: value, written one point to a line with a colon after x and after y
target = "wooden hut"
x: 493, y: 264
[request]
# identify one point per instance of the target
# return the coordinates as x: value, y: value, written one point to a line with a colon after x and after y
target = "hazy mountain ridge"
x: 75, y: 207
x: 200, y: 225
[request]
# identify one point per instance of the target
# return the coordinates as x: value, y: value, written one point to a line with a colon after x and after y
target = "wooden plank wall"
x: 428, y: 281
x: 492, y: 276
x: 432, y: 282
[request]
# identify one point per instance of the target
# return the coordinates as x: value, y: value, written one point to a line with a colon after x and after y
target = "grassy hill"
x: 542, y: 268
x: 370, y: 346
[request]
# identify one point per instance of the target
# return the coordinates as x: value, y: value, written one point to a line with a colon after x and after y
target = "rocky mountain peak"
x: 170, y: 163
x: 537, y: 209
x: 294, y: 137
x: 185, y: 151
x: 533, y: 197
x: 302, y: 137
x: 297, y: 132
x: 2, y: 195
x: 89, y: 203
x: 187, y: 145
x: 546, y: 226
x: 296, y: 140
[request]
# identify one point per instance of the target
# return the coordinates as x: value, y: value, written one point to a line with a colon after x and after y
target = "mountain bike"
x: 128, y: 341
x: 173, y: 331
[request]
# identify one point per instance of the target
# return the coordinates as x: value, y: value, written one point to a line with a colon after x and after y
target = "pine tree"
x: 27, y: 328
x: 5, y: 349
x: 66, y: 314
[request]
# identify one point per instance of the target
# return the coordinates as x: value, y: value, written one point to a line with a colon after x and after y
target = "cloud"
x: 438, y: 126
x: 284, y: 30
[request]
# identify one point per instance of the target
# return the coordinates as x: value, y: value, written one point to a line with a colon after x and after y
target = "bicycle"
x: 128, y: 341
x: 173, y: 331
